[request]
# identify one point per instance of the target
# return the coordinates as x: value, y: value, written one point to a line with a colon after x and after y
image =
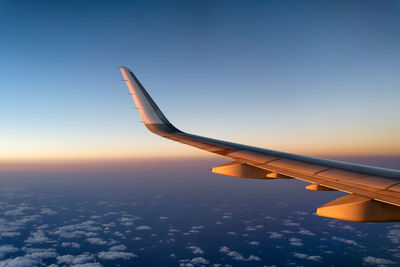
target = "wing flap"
x: 386, y: 196
x: 254, y: 156
x: 297, y: 165
x: 358, y: 178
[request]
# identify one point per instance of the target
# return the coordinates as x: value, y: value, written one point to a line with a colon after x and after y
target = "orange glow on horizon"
x: 164, y: 156
x: 150, y: 147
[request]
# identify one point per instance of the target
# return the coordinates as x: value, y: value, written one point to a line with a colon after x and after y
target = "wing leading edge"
x: 374, y: 192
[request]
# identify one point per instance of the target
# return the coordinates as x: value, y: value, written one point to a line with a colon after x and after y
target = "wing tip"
x: 123, y: 67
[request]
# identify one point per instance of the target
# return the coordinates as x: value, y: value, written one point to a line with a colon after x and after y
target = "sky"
x: 309, y: 77
x: 83, y: 181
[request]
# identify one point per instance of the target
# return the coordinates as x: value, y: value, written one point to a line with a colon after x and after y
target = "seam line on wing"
x: 318, y: 172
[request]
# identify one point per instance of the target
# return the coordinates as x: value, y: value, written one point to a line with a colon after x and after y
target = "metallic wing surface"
x: 374, y: 193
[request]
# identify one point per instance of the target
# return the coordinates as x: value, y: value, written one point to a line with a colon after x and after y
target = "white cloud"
x: 112, y: 242
x: 224, y: 249
x: 28, y: 219
x: 346, y: 241
x: 290, y: 223
x: 75, y: 259
x: 193, y: 262
x: 108, y: 225
x: 394, y: 236
x: 38, y: 238
x: 19, y: 262
x: 10, y: 234
x: 18, y: 211
x: 163, y: 218
x: 196, y: 250
x: 96, y: 241
x: 33, y: 258
x: 40, y: 253
x: 199, y: 260
x: 307, y: 257
x: 143, y: 228
x: 114, y: 255
x: 77, y: 234
x: 377, y: 261
x: 237, y: 256
x: 87, y: 229
x: 118, y: 248
x: 253, y: 258
x: 43, y: 226
x: 30, y: 250
x: 303, y: 231
x: 348, y: 227
x: 254, y: 243
x: 185, y: 263
x: 296, y: 242
x: 127, y: 223
x: 275, y: 235
x: 47, y: 211
x: 118, y: 233
x: 128, y: 220
x: 6, y: 249
x: 70, y: 244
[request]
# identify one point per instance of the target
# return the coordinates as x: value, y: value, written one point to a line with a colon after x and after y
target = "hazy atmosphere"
x: 177, y: 213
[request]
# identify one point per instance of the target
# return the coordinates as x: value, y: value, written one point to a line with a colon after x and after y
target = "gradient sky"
x: 312, y: 77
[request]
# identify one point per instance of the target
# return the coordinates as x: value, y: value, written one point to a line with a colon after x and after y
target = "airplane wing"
x: 374, y: 193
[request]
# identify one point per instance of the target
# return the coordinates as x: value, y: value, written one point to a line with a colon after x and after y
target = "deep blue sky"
x: 314, y: 77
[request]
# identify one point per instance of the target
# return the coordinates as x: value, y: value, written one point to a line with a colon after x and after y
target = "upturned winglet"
x: 150, y: 113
